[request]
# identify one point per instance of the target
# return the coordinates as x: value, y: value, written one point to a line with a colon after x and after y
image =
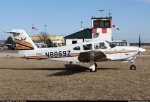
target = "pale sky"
x: 63, y: 17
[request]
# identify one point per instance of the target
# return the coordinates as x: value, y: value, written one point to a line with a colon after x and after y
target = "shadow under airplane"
x: 68, y: 70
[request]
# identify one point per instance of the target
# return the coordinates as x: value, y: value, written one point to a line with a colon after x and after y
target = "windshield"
x: 111, y: 44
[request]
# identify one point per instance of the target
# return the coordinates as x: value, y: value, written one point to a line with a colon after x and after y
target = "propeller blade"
x: 139, y: 41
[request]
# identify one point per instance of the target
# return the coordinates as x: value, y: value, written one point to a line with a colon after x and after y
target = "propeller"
x: 139, y: 44
x: 139, y: 41
x: 140, y: 49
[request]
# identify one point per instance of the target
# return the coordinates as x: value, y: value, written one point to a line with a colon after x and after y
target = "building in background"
x: 79, y: 37
x: 55, y: 40
x: 102, y: 28
x: 2, y: 45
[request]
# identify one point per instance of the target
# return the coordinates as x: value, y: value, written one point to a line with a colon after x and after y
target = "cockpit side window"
x: 112, y: 45
x: 102, y: 45
x: 87, y: 47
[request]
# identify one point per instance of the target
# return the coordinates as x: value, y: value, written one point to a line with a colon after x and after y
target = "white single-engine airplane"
x: 91, y: 52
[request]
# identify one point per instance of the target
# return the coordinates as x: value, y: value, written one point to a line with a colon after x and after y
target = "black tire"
x: 94, y: 70
x: 70, y: 63
x: 96, y: 65
x: 132, y: 67
x: 91, y: 70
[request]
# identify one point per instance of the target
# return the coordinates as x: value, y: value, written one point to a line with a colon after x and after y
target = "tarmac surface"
x: 9, y: 54
x: 22, y: 79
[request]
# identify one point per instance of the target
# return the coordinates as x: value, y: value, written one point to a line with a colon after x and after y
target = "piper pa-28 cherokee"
x: 91, y: 52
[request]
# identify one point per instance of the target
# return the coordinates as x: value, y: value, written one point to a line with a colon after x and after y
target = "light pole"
x: 81, y: 25
x: 45, y: 34
x: 45, y: 27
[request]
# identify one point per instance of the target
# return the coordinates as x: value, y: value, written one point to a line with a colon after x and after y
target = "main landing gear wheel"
x: 133, y: 67
x: 91, y: 70
x: 95, y: 70
x: 95, y: 65
x: 70, y: 62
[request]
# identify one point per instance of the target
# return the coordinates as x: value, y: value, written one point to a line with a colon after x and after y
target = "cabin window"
x: 102, y: 45
x: 76, y: 48
x: 87, y: 47
x: 96, y: 46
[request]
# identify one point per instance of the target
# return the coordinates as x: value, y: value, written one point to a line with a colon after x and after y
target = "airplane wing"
x: 86, y: 56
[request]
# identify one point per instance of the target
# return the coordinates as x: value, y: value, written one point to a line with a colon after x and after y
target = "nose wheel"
x: 132, y: 67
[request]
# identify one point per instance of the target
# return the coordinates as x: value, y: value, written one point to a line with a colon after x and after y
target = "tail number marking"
x: 58, y: 53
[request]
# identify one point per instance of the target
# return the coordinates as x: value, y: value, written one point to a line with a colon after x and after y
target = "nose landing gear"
x: 132, y: 67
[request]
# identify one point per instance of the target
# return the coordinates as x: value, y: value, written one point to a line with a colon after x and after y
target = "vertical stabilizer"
x: 22, y: 40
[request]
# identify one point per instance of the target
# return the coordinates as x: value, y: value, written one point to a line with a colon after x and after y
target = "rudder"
x: 22, y: 40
